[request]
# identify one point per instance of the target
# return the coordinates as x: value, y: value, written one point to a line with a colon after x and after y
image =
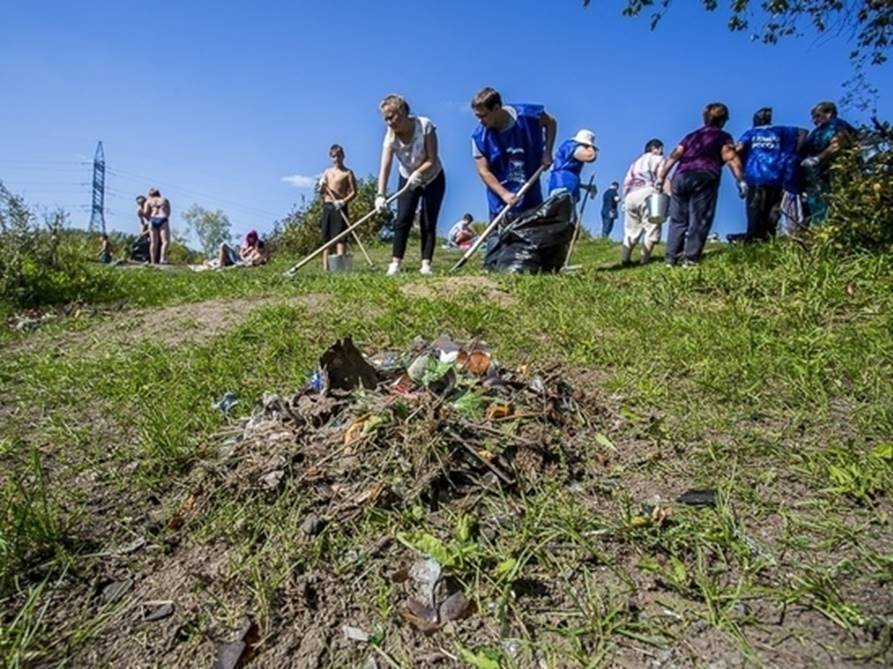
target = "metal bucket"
x: 342, y: 263
x: 658, y: 206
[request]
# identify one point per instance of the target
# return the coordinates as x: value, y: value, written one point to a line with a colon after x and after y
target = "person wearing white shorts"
x: 639, y: 183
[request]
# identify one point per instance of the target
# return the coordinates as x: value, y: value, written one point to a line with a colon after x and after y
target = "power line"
x: 137, y: 178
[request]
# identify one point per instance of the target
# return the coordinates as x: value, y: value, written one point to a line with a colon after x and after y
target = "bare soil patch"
x: 189, y: 323
x: 460, y: 287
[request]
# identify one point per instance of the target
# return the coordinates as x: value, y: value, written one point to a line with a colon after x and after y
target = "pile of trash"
x: 436, y: 429
x: 430, y: 425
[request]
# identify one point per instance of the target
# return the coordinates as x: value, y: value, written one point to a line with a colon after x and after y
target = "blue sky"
x: 217, y: 103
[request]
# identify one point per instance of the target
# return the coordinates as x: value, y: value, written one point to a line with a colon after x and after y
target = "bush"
x: 298, y: 233
x: 43, y: 264
x: 860, y: 212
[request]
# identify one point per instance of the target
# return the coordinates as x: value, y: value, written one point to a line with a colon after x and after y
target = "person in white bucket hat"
x: 569, y: 161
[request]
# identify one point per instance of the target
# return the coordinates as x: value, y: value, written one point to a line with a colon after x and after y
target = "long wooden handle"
x: 341, y: 235
x: 570, y: 250
x: 496, y: 221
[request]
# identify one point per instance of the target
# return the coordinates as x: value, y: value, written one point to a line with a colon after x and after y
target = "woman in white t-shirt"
x: 412, y: 140
x: 640, y: 182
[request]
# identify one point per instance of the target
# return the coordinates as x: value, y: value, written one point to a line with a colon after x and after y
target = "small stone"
x: 312, y: 525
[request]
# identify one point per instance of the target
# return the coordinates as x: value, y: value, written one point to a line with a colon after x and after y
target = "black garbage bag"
x: 139, y: 250
x: 535, y: 240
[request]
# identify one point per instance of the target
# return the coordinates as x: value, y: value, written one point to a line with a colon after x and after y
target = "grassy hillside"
x: 765, y: 374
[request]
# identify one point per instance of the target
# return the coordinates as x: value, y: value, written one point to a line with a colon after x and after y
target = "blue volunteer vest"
x: 769, y: 150
x: 566, y: 170
x: 514, y: 156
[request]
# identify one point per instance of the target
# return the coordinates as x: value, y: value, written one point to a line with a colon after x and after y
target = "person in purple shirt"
x: 698, y: 160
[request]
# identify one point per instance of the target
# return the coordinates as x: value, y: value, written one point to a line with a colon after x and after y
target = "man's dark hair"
x: 614, y: 184
x: 653, y: 144
x: 716, y: 114
x: 468, y: 217
x: 825, y: 107
x: 334, y: 148
x: 763, y: 116
x: 486, y: 98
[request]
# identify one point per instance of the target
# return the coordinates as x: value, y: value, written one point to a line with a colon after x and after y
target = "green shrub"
x: 44, y: 264
x: 860, y: 212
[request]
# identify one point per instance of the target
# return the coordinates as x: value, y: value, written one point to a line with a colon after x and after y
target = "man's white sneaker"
x: 393, y: 268
x: 426, y: 269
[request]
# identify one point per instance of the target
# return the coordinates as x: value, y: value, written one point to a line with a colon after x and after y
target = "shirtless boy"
x: 158, y: 210
x: 338, y: 186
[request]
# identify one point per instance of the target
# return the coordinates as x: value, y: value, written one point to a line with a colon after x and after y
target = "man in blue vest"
x: 768, y: 152
x: 509, y: 145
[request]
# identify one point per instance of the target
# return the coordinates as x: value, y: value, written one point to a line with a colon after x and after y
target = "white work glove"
x: 321, y: 183
x: 742, y: 189
x: 810, y: 162
x: 338, y: 204
x: 381, y: 204
x: 415, y: 180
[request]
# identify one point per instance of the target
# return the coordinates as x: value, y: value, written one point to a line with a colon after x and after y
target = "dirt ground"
x: 188, y: 323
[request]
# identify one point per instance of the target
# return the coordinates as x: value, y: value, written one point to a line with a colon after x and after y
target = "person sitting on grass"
x: 253, y: 252
x: 461, y: 235
x: 105, y: 251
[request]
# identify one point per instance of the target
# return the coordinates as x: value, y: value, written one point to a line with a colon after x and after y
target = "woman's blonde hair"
x: 394, y: 101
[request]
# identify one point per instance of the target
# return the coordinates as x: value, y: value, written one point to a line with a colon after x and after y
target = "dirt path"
x: 192, y: 323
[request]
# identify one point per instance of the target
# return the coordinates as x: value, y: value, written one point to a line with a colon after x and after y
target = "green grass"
x: 765, y: 373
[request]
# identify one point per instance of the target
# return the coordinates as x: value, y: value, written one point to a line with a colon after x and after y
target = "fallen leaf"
x: 455, y: 607
x: 354, y: 431
x: 423, y: 618
x: 498, y: 410
x: 476, y: 362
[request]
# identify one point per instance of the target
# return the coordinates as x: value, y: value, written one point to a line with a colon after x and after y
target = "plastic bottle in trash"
x: 317, y: 381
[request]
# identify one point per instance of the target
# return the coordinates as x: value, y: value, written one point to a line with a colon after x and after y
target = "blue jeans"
x: 608, y: 224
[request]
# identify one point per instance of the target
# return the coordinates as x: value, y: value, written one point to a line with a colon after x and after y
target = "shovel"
x: 496, y: 221
x: 341, y: 235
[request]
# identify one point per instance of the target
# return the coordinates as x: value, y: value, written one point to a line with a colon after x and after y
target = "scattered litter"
x: 346, y: 368
x: 153, y: 611
x: 233, y: 654
x: 354, y: 634
x: 30, y: 321
x: 698, y: 498
x: 312, y: 525
x: 455, y: 607
x: 226, y: 403
x: 426, y: 574
x: 115, y: 590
